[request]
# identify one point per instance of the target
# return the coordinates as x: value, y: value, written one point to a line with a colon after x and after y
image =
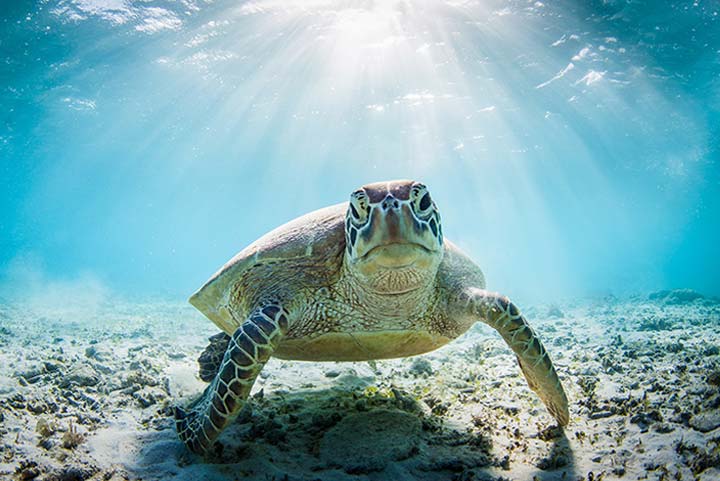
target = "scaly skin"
x: 247, y: 352
x: 499, y: 313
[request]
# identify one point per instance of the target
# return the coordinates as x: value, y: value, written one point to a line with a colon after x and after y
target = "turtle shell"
x: 299, y: 256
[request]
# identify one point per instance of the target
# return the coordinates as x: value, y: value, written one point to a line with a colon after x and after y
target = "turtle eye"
x: 421, y: 200
x: 425, y: 202
x: 359, y: 207
x: 354, y: 212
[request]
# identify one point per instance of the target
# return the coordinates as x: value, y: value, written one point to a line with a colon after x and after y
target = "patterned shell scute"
x: 304, y: 253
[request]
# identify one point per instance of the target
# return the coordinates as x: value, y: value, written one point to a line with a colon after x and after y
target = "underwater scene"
x: 359, y: 240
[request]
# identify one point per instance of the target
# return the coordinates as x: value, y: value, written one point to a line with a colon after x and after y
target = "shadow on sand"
x: 559, y: 464
x: 339, y: 434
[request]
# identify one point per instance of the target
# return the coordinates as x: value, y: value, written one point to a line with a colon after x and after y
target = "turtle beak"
x: 389, y: 217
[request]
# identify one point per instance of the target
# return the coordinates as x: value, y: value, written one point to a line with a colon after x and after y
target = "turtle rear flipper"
x: 212, y: 356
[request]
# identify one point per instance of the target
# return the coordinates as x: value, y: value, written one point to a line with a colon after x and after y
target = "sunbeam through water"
x: 572, y: 149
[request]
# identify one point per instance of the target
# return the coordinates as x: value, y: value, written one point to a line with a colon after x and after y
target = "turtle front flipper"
x: 498, y: 312
x: 247, y: 351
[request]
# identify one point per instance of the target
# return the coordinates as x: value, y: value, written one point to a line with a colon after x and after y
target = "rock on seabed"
x: 365, y: 442
x: 706, y: 422
x: 676, y: 296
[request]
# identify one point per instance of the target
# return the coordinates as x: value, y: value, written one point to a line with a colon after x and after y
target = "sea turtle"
x: 372, y: 278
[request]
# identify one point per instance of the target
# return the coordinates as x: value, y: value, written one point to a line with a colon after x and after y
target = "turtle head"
x: 393, y: 236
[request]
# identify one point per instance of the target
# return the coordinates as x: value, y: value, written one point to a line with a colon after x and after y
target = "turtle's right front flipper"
x: 247, y: 352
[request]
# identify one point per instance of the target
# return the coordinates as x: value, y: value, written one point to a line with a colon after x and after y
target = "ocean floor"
x: 87, y: 394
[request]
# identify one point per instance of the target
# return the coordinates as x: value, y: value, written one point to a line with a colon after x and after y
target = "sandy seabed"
x: 87, y: 394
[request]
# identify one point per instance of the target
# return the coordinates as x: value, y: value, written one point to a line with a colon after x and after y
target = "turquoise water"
x: 572, y: 147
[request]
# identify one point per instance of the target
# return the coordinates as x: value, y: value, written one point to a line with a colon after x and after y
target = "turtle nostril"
x: 390, y: 202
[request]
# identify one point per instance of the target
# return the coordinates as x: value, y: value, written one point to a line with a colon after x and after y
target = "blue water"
x: 572, y: 147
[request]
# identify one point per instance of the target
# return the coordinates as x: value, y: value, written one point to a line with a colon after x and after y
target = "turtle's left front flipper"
x: 498, y: 312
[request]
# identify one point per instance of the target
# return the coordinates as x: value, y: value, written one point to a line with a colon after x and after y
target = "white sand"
x: 642, y: 377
